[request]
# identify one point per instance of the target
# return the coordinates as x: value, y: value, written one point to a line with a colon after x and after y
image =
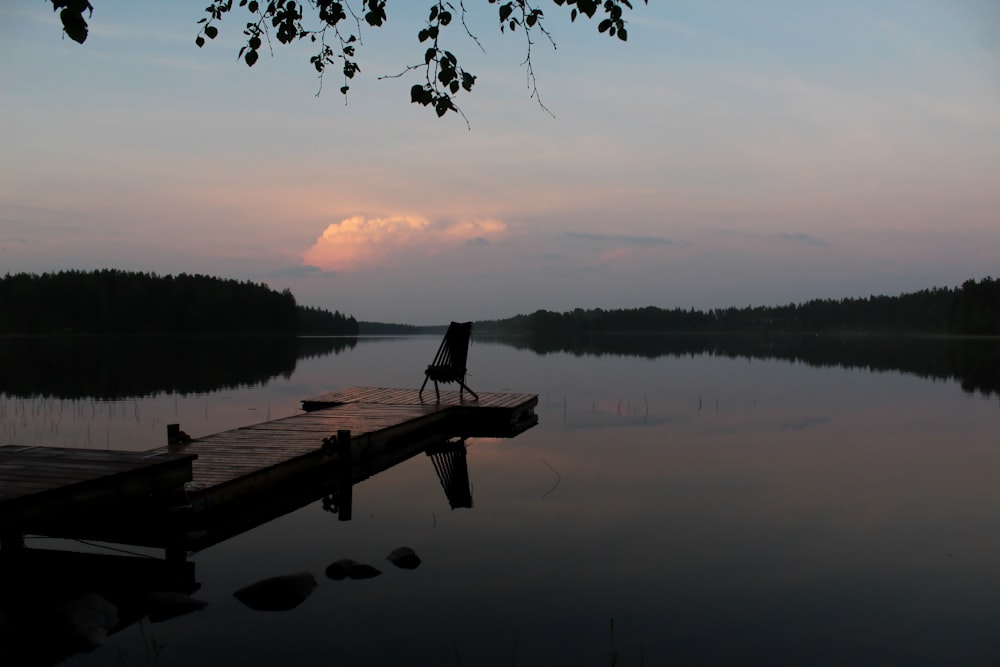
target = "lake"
x: 681, y: 502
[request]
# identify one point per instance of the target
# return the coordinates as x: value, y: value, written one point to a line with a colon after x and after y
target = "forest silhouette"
x: 970, y: 310
x: 110, y: 301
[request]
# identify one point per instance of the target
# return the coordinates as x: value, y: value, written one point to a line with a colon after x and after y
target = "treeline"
x: 125, y: 302
x: 972, y: 309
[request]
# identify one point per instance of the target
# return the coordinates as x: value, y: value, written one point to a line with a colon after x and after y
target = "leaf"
x: 74, y: 24
x: 200, y: 41
x: 420, y: 95
x: 211, y: 31
x: 250, y: 57
x: 588, y: 7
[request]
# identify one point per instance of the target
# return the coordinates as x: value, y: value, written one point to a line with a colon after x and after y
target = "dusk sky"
x: 730, y: 153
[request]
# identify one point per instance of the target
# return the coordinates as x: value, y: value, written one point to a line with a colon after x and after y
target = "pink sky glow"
x: 722, y: 156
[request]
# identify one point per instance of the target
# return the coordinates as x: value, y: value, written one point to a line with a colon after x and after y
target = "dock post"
x: 175, y: 436
x: 175, y: 554
x: 344, y: 443
x: 345, y: 499
x: 345, y: 495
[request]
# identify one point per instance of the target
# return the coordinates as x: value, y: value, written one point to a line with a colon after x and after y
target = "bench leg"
x: 468, y: 389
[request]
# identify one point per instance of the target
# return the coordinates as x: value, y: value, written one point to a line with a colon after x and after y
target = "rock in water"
x: 405, y: 558
x: 345, y: 567
x: 278, y: 593
x: 167, y: 605
x: 88, y: 618
x: 363, y: 571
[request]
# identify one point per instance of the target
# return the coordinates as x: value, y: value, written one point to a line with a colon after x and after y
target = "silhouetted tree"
x: 113, y: 301
x: 975, y: 309
x: 335, y: 29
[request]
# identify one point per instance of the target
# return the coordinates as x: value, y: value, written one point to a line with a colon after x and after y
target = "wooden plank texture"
x: 40, y: 482
x: 271, y: 451
x: 246, y: 461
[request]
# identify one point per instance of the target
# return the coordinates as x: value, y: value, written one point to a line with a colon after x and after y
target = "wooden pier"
x: 227, y: 483
x: 38, y: 484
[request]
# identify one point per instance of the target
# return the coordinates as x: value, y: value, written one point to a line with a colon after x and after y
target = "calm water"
x: 713, y: 510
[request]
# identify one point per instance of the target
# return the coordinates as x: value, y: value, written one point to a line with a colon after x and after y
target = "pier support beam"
x: 345, y: 495
x: 175, y: 554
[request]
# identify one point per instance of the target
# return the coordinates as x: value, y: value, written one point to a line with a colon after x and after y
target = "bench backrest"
x: 454, y: 350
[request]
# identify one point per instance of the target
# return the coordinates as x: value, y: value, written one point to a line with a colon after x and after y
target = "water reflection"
x: 115, y: 368
x: 721, y: 508
x: 106, y: 368
x: 58, y: 603
x: 975, y: 363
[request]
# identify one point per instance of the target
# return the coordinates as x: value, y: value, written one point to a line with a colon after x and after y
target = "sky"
x: 731, y: 153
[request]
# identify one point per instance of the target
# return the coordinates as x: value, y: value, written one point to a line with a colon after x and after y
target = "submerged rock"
x: 167, y: 605
x: 347, y: 568
x: 88, y: 619
x: 278, y: 593
x: 405, y: 558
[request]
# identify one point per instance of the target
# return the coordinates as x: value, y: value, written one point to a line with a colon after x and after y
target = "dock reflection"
x: 58, y: 603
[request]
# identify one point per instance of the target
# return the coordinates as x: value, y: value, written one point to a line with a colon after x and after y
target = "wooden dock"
x: 238, y: 479
x: 40, y: 484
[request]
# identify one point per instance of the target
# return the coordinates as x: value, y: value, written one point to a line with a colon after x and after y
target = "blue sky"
x: 730, y: 153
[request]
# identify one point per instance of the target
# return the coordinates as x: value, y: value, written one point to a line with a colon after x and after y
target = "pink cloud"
x: 358, y: 241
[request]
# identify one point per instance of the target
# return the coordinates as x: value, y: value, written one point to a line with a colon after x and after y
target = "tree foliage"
x: 336, y: 29
x: 112, y: 301
x: 973, y: 309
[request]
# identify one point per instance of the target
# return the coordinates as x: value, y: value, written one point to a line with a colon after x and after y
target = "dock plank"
x: 40, y: 482
x: 245, y: 462
x: 372, y: 415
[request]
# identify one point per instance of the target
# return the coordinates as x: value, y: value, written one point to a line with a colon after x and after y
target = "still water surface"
x: 670, y: 510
